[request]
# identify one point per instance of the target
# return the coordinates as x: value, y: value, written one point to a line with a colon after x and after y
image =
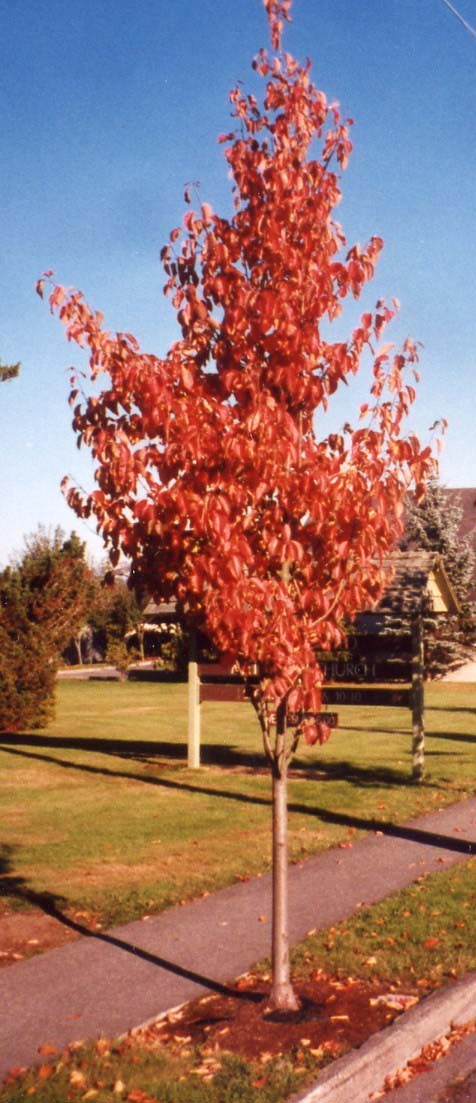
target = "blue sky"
x: 110, y: 106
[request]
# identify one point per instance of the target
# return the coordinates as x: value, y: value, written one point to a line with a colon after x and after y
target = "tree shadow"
x: 453, y: 708
x: 429, y: 734
x: 125, y: 748
x: 458, y: 737
x: 13, y: 885
x: 140, y: 749
x: 379, y: 728
x: 227, y: 757
x: 325, y: 815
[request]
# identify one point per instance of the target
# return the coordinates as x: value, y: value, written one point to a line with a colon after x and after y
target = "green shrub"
x: 42, y: 602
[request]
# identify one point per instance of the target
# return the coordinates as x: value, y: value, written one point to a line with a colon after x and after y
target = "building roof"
x: 416, y: 577
x: 165, y: 611
x: 417, y: 581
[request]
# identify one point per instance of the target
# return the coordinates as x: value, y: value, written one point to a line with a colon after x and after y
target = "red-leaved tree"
x: 210, y: 475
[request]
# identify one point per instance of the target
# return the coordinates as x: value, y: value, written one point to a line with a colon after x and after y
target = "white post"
x: 418, y: 700
x: 193, y: 706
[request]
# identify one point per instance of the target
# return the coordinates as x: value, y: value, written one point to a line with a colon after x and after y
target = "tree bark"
x: 140, y: 640
x: 282, y: 996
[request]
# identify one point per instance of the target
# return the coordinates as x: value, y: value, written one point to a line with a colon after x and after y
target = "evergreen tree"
x: 27, y: 675
x: 58, y: 584
x: 434, y: 525
x: 43, y: 601
x: 115, y: 612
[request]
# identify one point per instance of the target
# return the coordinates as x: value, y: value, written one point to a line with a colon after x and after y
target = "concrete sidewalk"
x: 106, y: 983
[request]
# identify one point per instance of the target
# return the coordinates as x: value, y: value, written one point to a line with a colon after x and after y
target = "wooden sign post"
x: 379, y: 676
x: 193, y: 755
x: 418, y: 701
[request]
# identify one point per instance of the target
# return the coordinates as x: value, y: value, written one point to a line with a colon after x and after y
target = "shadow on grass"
x: 139, y: 749
x: 381, y: 777
x: 211, y: 754
x: 13, y: 885
x: 225, y: 756
x: 365, y: 728
x: 450, y: 708
x: 379, y: 730
x: 459, y: 737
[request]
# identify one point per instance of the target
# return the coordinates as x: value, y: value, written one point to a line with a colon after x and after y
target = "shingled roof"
x: 165, y: 610
x: 417, y: 580
x: 419, y: 577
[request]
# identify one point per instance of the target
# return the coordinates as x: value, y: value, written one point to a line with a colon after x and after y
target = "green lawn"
x: 100, y: 812
x: 424, y: 935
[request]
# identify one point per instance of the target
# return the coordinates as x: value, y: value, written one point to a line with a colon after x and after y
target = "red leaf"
x: 57, y: 296
x: 45, y: 1071
x: 207, y: 212
x: 211, y: 477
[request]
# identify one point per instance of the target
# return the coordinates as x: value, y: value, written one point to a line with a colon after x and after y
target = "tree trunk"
x: 282, y: 996
x: 140, y: 641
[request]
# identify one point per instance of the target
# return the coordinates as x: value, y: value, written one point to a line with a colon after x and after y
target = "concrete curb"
x: 358, y: 1074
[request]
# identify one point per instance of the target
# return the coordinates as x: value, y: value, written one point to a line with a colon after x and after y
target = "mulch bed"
x: 335, y: 1016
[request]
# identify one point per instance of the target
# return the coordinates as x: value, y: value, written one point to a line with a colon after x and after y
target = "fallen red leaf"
x: 45, y: 1071
x: 47, y: 1050
x: 14, y: 1074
